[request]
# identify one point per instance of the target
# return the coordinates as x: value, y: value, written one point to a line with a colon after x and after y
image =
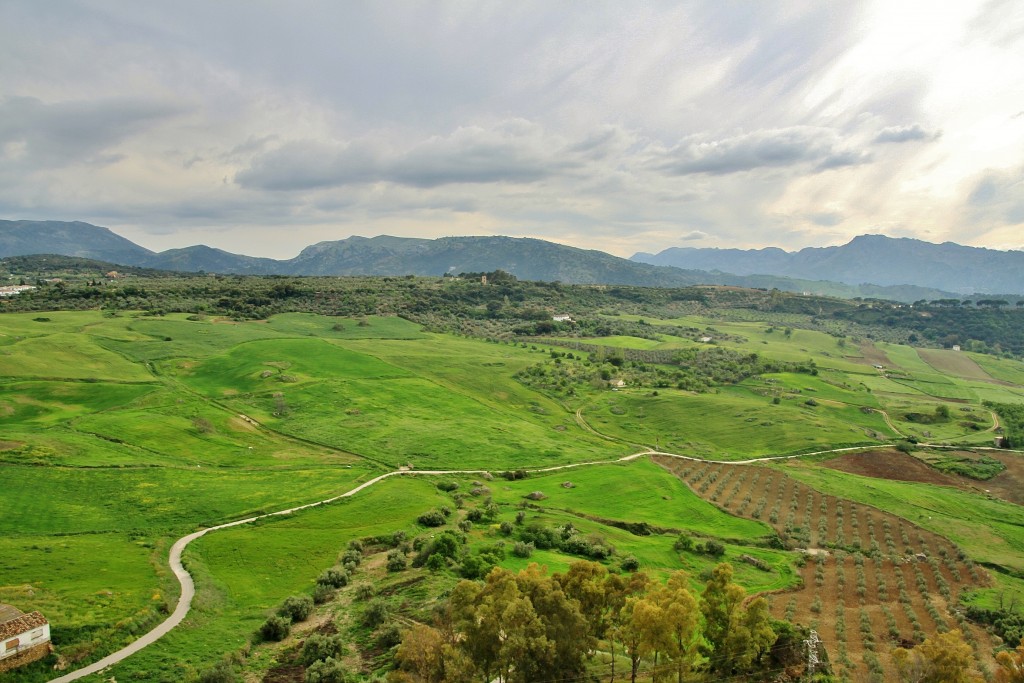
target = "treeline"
x: 528, y: 626
x: 696, y: 369
x: 1011, y: 415
x: 986, y: 329
x: 505, y: 308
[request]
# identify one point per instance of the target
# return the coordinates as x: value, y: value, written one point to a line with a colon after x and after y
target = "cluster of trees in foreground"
x: 530, y: 626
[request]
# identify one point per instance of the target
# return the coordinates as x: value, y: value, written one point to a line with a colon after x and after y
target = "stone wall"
x: 25, y: 656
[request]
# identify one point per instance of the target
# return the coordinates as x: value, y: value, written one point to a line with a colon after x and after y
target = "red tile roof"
x: 22, y: 624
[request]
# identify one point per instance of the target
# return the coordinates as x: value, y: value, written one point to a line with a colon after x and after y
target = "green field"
x: 121, y: 434
x: 733, y: 424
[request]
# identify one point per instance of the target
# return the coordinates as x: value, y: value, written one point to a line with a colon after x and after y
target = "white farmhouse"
x: 24, y: 638
x: 562, y: 318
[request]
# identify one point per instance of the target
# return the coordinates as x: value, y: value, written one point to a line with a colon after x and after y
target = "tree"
x: 737, y: 636
x: 943, y: 658
x: 681, y: 619
x: 1011, y: 664
x: 420, y: 654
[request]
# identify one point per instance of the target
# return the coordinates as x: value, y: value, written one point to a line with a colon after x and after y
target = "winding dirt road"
x: 188, y: 586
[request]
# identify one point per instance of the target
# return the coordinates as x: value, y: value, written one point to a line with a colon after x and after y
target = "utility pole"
x: 812, y: 643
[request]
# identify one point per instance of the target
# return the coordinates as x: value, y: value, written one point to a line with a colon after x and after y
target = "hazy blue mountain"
x: 528, y: 259
x: 874, y: 259
x: 21, y: 238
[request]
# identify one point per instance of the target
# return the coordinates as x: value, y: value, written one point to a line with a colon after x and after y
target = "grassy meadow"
x: 123, y: 433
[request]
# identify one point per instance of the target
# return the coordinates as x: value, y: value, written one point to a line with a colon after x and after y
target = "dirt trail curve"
x: 188, y: 587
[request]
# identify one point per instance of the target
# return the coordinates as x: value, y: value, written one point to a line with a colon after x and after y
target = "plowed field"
x: 872, y: 581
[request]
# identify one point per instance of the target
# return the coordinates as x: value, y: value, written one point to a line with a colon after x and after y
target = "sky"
x: 262, y: 127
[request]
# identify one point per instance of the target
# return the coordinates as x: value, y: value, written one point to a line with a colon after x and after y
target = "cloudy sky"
x: 261, y: 127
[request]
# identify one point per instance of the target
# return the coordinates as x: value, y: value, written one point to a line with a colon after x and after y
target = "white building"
x: 24, y: 638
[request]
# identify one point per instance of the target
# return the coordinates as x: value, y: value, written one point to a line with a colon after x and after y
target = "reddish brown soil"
x: 892, y: 464
x: 889, y: 464
x: 773, y: 494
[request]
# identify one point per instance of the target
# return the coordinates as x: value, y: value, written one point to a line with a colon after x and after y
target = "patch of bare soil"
x: 872, y: 355
x: 1009, y: 484
x: 10, y: 445
x: 890, y: 464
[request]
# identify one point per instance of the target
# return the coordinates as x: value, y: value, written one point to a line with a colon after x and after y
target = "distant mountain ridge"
x: 526, y: 258
x: 876, y: 259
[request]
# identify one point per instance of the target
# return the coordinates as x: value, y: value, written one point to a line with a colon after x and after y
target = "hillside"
x: 526, y: 258
x: 875, y: 259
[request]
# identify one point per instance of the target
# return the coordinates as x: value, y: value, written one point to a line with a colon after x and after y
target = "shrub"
x: 432, y: 519
x: 328, y: 670
x: 333, y: 577
x: 506, y: 528
x: 275, y: 629
x: 448, y: 485
x: 522, y: 549
x: 683, y: 543
x: 322, y: 593
x: 364, y: 591
x: 436, y: 563
x: 351, y: 557
x: 630, y: 564
x: 375, y: 614
x: 318, y: 646
x: 714, y: 548
x: 219, y: 673
x: 296, y: 607
x: 396, y: 561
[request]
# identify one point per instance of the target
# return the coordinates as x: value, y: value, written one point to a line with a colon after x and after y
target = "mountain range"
x: 876, y: 259
x: 869, y: 266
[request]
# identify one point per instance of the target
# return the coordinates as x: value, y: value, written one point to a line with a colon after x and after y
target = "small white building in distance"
x: 956, y: 347
x: 24, y: 638
x: 562, y: 318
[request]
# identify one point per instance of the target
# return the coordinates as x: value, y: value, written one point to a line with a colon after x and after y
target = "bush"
x: 432, y: 519
x: 333, y: 577
x: 521, y: 549
x: 448, y: 485
x: 351, y: 557
x: 318, y: 646
x: 506, y: 528
x: 630, y: 564
x: 275, y: 629
x: 375, y: 614
x: 683, y: 543
x: 397, y: 561
x: 436, y: 563
x: 328, y: 670
x: 714, y: 548
x: 296, y: 607
x: 219, y: 673
x: 364, y: 591
x: 322, y: 593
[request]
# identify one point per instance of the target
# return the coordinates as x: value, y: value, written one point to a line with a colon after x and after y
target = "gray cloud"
x: 40, y: 134
x: 693, y: 235
x: 911, y: 133
x: 514, y: 152
x: 759, y: 149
